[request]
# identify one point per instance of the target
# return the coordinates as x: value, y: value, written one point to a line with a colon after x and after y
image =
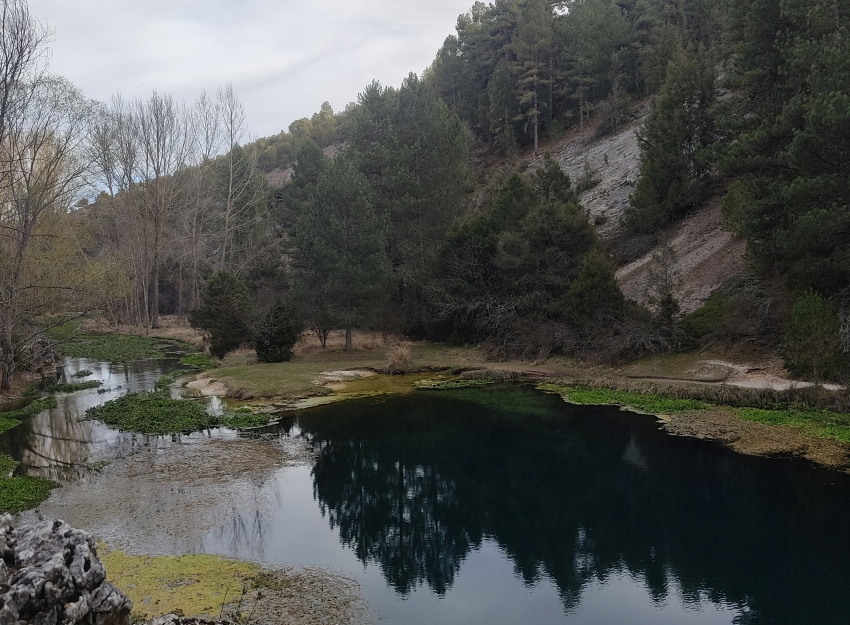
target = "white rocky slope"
x: 706, y: 255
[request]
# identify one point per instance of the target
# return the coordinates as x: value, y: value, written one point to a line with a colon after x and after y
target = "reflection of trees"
x: 400, y: 515
x: 578, y: 495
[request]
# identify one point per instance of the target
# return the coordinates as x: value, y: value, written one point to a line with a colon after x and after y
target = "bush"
x: 812, y: 347
x: 224, y: 313
x: 277, y: 334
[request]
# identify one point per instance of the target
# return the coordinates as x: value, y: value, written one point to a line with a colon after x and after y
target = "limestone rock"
x: 50, y: 575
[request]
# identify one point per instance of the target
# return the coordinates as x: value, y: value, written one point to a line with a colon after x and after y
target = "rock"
x: 50, y: 575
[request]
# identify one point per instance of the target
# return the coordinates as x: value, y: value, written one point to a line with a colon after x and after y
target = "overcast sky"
x: 284, y: 58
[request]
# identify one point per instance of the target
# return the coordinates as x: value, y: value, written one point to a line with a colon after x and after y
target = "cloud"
x: 284, y: 58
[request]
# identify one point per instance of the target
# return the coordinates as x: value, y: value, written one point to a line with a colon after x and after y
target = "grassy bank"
x: 804, y: 409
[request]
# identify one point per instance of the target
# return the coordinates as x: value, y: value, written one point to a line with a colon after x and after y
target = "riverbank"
x: 749, y: 402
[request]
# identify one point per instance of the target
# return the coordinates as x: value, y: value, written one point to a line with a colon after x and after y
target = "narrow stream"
x: 491, y: 505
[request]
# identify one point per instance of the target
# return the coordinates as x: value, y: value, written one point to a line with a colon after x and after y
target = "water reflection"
x: 579, y: 496
x: 59, y: 445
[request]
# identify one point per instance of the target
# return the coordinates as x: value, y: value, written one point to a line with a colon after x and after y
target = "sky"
x: 284, y: 58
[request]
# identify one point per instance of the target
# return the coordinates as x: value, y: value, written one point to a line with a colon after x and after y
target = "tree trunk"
x: 7, y: 365
x: 536, y: 119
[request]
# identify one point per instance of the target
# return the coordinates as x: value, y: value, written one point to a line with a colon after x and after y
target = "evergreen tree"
x: 673, y: 143
x: 277, y: 333
x: 224, y: 313
x: 532, y: 46
x: 341, y: 263
x: 594, y: 296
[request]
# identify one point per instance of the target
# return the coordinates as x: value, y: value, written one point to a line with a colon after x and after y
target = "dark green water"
x: 576, y: 499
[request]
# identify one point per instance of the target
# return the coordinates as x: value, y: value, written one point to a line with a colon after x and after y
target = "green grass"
x: 109, y: 347
x: 821, y: 423
x: 71, y: 388
x: 652, y: 403
x: 199, y: 361
x: 82, y: 373
x: 21, y: 493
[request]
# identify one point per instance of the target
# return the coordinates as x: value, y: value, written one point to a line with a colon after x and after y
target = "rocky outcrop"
x: 50, y: 575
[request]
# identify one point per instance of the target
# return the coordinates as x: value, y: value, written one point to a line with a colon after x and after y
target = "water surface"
x: 507, y: 505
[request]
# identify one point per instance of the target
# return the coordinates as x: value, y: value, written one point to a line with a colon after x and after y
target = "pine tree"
x: 341, y: 263
x: 224, y: 313
x: 673, y: 143
x: 532, y: 46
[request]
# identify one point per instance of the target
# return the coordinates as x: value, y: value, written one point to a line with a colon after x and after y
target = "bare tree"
x: 165, y: 145
x: 243, y: 184
x: 44, y: 170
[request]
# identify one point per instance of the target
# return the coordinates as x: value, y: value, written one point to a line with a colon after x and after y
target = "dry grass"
x: 398, y: 358
x: 361, y: 341
x: 170, y: 327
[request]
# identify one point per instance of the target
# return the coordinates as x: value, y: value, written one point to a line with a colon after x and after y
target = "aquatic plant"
x: 82, y: 373
x: 72, y: 388
x: 110, y: 347
x: 821, y: 423
x: 23, y: 492
x: 653, y: 403
x: 199, y: 361
x: 11, y: 418
x: 155, y: 412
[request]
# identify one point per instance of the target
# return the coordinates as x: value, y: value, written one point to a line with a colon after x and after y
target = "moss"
x: 196, y: 584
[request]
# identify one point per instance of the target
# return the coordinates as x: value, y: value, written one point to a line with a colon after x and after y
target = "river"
x: 490, y: 505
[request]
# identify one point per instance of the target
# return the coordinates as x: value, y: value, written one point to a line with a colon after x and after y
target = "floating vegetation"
x: 72, y: 388
x: 96, y: 467
x: 10, y: 419
x: 442, y: 383
x: 110, y: 347
x: 82, y: 373
x: 199, y: 361
x: 152, y: 413
x: 101, y: 391
x: 155, y: 412
x: 652, y: 403
x: 21, y: 493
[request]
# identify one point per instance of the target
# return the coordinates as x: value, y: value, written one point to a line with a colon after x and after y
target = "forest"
x: 431, y: 209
